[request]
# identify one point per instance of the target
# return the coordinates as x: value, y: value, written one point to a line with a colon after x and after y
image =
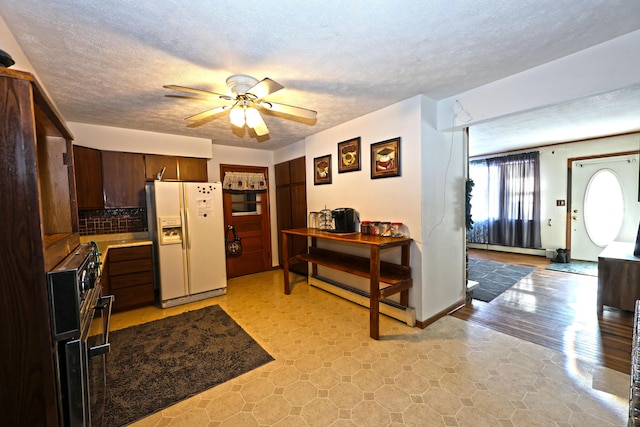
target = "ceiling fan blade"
x: 198, y: 92
x: 208, y: 113
x: 191, y: 98
x: 265, y: 87
x: 289, y: 109
x: 261, y: 130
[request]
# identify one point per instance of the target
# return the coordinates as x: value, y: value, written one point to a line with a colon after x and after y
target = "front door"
x: 604, y: 204
x: 248, y: 213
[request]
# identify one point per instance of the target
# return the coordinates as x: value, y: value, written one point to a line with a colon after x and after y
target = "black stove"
x: 75, y: 298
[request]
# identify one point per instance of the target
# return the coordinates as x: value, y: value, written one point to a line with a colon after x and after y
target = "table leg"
x: 405, y: 260
x: 314, y: 267
x: 374, y: 292
x: 285, y: 263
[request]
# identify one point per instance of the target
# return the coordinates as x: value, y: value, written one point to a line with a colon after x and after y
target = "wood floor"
x: 556, y: 310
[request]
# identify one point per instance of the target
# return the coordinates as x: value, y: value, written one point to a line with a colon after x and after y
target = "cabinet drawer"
x: 134, y: 279
x: 126, y: 254
x: 135, y: 296
x: 128, y: 267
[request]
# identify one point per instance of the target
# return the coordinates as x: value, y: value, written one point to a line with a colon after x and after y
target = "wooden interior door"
x: 251, y: 220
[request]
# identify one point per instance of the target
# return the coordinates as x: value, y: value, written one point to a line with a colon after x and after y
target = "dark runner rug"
x: 494, y: 277
x: 587, y: 268
x: 157, y: 364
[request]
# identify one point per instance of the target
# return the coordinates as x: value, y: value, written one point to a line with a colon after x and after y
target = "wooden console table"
x: 618, y: 277
x: 385, y: 279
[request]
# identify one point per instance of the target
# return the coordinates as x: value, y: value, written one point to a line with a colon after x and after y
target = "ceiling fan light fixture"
x: 253, y: 117
x: 248, y: 94
x: 236, y: 116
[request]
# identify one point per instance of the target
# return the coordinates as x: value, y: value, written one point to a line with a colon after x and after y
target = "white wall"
x: 553, y: 180
x: 289, y: 152
x: 138, y: 141
x: 425, y: 197
x: 443, y: 166
x: 249, y: 157
x: 602, y: 68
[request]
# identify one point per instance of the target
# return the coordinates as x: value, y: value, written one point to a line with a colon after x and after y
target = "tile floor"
x: 328, y: 372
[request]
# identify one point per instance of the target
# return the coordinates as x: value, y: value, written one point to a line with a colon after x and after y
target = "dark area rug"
x: 157, y: 364
x: 587, y: 268
x: 494, y: 277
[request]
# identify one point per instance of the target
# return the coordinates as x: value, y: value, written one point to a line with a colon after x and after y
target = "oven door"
x: 86, y: 372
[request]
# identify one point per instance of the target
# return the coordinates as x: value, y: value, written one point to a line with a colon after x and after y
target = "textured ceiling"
x: 105, y: 62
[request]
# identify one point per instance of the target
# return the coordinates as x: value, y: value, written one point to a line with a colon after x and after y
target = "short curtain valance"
x: 244, y: 181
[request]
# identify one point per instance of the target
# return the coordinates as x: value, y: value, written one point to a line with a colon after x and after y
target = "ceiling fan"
x: 247, y: 97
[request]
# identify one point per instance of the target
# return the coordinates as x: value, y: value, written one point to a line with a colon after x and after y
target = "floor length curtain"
x: 514, y: 200
x: 505, y: 203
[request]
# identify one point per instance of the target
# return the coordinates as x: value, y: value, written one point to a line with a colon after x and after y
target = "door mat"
x: 587, y: 268
x: 157, y: 364
x: 494, y: 277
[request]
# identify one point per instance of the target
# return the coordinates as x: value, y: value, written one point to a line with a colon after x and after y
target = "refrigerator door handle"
x: 184, y: 228
x: 188, y: 224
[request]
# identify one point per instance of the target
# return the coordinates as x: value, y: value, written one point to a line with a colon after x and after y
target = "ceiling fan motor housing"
x: 239, y: 84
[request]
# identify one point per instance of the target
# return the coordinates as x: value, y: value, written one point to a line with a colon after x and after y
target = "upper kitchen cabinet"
x: 123, y: 179
x: 177, y: 168
x: 38, y: 199
x: 88, y: 165
x: 154, y: 164
x: 192, y: 169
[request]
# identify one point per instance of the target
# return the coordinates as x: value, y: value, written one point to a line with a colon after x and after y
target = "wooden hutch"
x: 39, y: 228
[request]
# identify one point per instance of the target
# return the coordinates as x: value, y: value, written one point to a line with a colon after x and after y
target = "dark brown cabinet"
x: 123, y: 180
x: 129, y: 273
x: 177, y: 168
x: 40, y: 228
x: 192, y: 169
x: 618, y: 277
x: 111, y: 179
x: 154, y: 164
x: 88, y: 165
x: 291, y: 201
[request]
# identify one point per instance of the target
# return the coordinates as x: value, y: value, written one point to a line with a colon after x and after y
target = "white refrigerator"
x: 186, y: 223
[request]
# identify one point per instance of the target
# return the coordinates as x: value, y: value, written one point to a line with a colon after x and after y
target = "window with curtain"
x: 244, y: 181
x: 505, y: 204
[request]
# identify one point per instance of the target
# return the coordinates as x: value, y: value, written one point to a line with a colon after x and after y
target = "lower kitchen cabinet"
x: 130, y: 276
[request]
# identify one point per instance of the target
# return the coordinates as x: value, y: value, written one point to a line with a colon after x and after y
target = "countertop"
x: 121, y: 240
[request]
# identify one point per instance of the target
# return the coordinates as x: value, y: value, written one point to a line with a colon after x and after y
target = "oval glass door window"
x: 603, y: 207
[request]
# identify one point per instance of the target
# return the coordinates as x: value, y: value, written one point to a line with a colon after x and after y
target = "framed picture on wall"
x: 322, y: 170
x: 385, y: 158
x: 349, y: 155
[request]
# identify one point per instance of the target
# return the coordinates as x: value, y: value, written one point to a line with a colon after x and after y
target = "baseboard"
x: 388, y: 308
x: 509, y: 249
x: 453, y: 307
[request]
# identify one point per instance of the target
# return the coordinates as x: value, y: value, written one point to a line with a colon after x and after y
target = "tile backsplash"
x: 113, y: 221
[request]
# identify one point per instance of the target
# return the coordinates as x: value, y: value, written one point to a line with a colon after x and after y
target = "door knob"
x: 574, y: 217
x: 575, y: 211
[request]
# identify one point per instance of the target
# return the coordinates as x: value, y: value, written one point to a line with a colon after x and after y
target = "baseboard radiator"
x: 634, y: 391
x: 389, y: 308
